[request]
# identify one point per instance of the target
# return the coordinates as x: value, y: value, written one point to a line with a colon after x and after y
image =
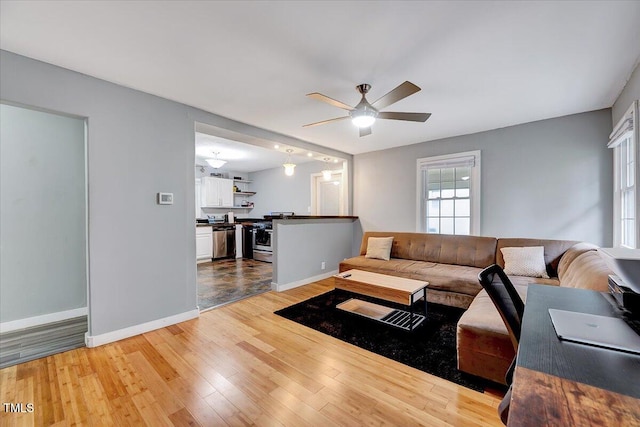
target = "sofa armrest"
x: 587, y: 271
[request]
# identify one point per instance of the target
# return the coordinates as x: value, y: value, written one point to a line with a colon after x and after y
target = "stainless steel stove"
x: 262, y: 240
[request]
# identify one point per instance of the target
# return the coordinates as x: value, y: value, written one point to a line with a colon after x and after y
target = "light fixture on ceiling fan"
x: 215, y: 162
x: 288, y: 166
x: 365, y: 114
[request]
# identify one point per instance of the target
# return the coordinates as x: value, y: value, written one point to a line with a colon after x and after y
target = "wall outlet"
x: 323, y: 265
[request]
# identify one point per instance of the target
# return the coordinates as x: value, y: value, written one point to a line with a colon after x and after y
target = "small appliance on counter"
x: 216, y: 218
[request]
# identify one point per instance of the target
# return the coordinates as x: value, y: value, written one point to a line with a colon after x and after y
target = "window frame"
x: 450, y: 160
x: 625, y: 129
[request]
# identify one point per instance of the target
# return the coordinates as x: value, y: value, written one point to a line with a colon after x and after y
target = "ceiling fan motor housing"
x: 363, y: 114
x: 363, y: 88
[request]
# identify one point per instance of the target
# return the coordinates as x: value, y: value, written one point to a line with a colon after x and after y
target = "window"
x: 624, y: 141
x: 449, y: 194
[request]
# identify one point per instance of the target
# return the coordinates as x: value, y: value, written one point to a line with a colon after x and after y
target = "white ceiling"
x: 481, y: 65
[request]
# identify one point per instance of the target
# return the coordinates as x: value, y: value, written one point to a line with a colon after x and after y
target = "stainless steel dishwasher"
x: 224, y: 242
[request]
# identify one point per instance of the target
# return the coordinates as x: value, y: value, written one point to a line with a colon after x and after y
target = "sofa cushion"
x: 553, y: 250
x: 471, y: 251
x: 482, y: 316
x: 393, y: 267
x: 445, y: 277
x: 484, y: 346
x: 379, y: 248
x: 526, y: 280
x: 525, y: 261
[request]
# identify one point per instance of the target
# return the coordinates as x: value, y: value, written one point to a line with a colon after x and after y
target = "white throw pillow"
x: 527, y: 261
x: 379, y: 247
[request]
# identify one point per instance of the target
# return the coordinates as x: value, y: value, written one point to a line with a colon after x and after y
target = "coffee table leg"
x: 411, y: 311
x: 425, y: 303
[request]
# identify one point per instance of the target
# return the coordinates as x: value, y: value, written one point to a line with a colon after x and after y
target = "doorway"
x: 261, y: 188
x: 328, y: 193
x: 43, y: 233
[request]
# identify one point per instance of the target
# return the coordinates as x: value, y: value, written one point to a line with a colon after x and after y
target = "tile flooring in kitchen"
x: 227, y: 280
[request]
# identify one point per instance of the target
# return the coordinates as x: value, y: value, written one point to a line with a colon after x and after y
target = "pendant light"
x: 288, y: 166
x: 215, y: 162
x: 326, y: 174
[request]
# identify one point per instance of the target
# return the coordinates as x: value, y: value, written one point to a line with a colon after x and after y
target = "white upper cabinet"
x: 225, y: 191
x: 217, y: 192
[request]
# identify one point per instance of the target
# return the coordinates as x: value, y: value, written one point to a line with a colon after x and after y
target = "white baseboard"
x: 98, y: 340
x: 291, y: 285
x: 29, y: 322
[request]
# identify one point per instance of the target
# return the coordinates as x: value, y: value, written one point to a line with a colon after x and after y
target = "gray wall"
x: 300, y: 246
x: 43, y: 221
x: 630, y: 93
x: 141, y: 255
x: 546, y: 179
x: 276, y: 192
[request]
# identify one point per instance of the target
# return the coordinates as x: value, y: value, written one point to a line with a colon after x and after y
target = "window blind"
x: 459, y: 162
x: 624, y: 126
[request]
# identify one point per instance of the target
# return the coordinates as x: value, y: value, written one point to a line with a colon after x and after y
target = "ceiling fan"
x: 364, y: 114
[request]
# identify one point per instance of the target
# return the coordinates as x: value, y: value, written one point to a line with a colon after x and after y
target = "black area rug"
x: 431, y: 347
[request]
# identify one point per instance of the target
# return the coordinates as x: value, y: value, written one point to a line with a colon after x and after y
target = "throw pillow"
x: 379, y: 247
x: 527, y: 261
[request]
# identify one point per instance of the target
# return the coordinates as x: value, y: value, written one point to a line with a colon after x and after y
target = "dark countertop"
x: 217, y: 224
x: 243, y: 221
x: 227, y: 224
x: 318, y: 217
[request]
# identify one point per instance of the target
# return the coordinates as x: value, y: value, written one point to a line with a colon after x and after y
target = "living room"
x: 545, y: 176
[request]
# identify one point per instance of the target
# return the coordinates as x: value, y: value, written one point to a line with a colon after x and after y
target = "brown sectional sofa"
x: 451, y: 265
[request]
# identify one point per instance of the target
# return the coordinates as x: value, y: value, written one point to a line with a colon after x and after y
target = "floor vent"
x: 43, y: 340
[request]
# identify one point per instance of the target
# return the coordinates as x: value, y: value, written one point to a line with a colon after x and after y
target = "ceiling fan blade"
x: 410, y: 117
x: 400, y: 92
x: 365, y: 131
x: 325, y: 98
x: 326, y: 121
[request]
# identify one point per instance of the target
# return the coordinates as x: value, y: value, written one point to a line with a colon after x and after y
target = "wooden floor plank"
x: 99, y: 409
x: 238, y: 365
x: 71, y: 393
x: 195, y: 405
x: 153, y: 413
x: 162, y: 393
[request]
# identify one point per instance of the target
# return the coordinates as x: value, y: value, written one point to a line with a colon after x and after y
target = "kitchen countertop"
x: 217, y: 224
x: 243, y: 221
x: 225, y: 224
x: 317, y: 217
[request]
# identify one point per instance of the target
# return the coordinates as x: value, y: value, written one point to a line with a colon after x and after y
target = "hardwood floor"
x: 227, y: 280
x: 239, y: 364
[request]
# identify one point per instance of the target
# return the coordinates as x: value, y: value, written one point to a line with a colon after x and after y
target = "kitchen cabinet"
x: 217, y: 192
x: 204, y: 243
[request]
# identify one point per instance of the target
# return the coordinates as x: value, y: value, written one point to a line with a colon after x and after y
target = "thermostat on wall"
x: 165, y: 198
